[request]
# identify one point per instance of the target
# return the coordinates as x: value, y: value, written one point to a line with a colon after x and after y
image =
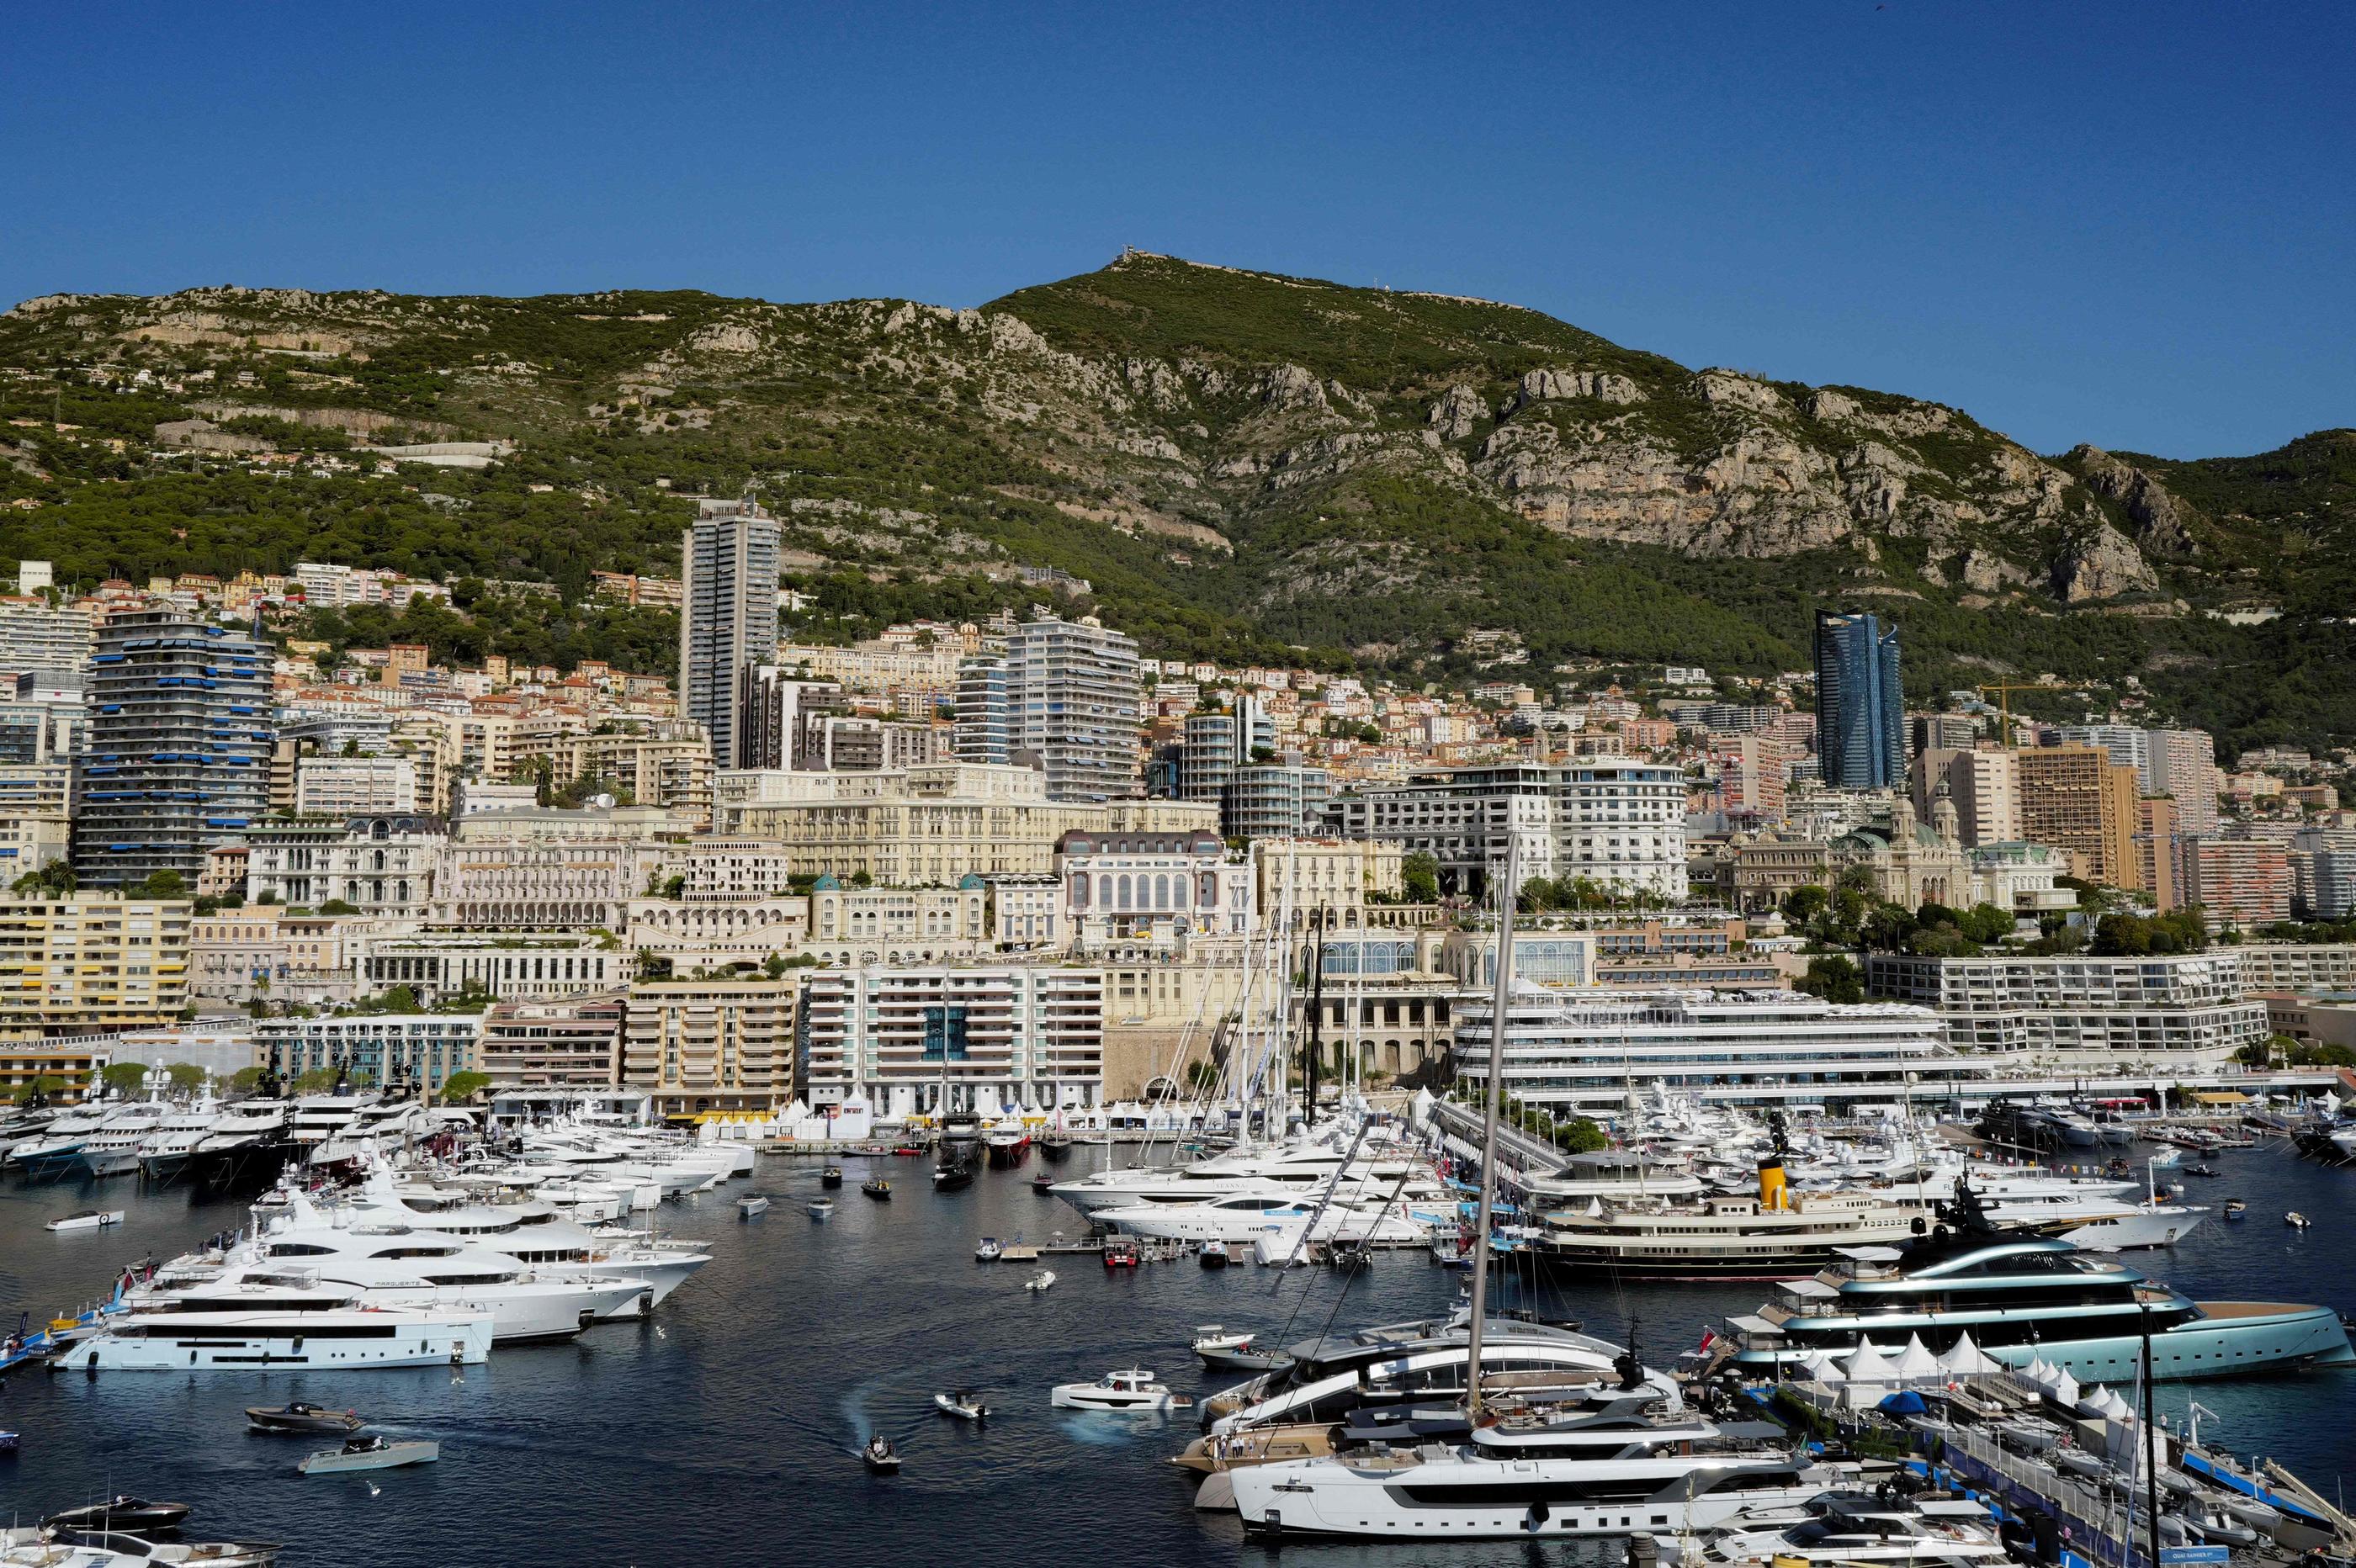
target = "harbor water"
x: 726, y: 1429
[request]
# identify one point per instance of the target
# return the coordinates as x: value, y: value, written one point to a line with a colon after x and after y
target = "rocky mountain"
x: 1236, y: 462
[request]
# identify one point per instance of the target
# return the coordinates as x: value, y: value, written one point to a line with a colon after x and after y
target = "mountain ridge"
x: 1241, y: 461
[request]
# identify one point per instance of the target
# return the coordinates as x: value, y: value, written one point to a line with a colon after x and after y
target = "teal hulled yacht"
x: 2025, y: 1298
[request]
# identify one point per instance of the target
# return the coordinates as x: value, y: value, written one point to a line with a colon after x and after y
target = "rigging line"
x: 1350, y: 1274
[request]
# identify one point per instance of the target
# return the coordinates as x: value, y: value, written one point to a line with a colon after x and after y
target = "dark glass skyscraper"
x: 1861, y: 705
x: 180, y: 732
x: 728, y: 615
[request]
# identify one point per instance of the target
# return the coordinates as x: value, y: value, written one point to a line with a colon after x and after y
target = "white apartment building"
x: 2178, y: 1009
x: 1574, y: 1054
x: 1069, y: 694
x: 2296, y: 967
x: 34, y: 637
x: 1986, y: 789
x: 350, y: 786
x: 1614, y: 820
x: 926, y: 1041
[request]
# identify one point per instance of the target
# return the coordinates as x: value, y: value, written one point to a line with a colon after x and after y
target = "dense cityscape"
x: 228, y: 853
x: 1164, y: 786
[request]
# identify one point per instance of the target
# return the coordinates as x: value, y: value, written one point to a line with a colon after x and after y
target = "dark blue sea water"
x: 724, y: 1432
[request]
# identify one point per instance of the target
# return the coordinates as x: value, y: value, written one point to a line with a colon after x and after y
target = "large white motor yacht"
x: 287, y: 1321
x: 394, y: 1265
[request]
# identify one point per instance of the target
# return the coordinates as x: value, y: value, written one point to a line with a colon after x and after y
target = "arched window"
x: 1104, y: 891
x: 1122, y: 896
x: 1161, y: 893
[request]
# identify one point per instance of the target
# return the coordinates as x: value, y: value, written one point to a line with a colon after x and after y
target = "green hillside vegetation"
x: 1148, y: 427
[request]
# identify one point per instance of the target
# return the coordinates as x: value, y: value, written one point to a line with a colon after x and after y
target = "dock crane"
x: 2003, y: 691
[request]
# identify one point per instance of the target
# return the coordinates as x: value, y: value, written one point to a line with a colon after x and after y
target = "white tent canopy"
x: 1868, y: 1365
x: 1820, y: 1367
x: 1916, y: 1363
x: 1967, y: 1360
x: 2065, y: 1391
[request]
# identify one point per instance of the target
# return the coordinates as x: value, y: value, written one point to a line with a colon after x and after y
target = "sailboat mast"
x: 1487, y: 1209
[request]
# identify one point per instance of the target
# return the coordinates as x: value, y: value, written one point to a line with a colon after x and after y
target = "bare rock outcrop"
x: 1724, y: 389
x: 2163, y: 522
x: 2101, y: 563
x: 1546, y: 385
x: 1459, y: 412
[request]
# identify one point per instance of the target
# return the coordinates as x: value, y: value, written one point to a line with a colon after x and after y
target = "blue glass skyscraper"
x: 1861, y: 705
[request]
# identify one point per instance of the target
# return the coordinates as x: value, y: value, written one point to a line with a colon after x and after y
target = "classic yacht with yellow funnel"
x: 1775, y: 1234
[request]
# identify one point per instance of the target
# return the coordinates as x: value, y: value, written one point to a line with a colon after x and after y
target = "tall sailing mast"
x: 1489, y: 1123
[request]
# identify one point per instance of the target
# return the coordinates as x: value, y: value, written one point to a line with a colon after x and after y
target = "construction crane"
x: 2003, y: 691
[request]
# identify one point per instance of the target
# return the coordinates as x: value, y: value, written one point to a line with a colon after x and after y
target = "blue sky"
x: 2133, y: 224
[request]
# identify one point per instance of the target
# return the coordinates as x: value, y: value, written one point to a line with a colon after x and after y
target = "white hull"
x: 1111, y: 1404
x: 535, y: 1309
x: 1325, y: 1497
x: 339, y: 1341
x: 2140, y: 1228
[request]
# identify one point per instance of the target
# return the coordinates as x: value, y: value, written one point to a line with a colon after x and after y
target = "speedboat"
x: 372, y: 1453
x: 306, y: 1420
x: 989, y: 1250
x: 750, y: 1205
x: 2236, y: 1208
x: 1129, y: 1390
x: 86, y: 1220
x: 1213, y: 1254
x: 1044, y: 1280
x: 122, y: 1511
x: 875, y: 1186
x: 1222, y: 1351
x: 880, y: 1456
x: 964, y: 1405
x: 822, y: 1208
x: 2294, y: 1219
x: 830, y: 1177
x: 119, y: 1549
